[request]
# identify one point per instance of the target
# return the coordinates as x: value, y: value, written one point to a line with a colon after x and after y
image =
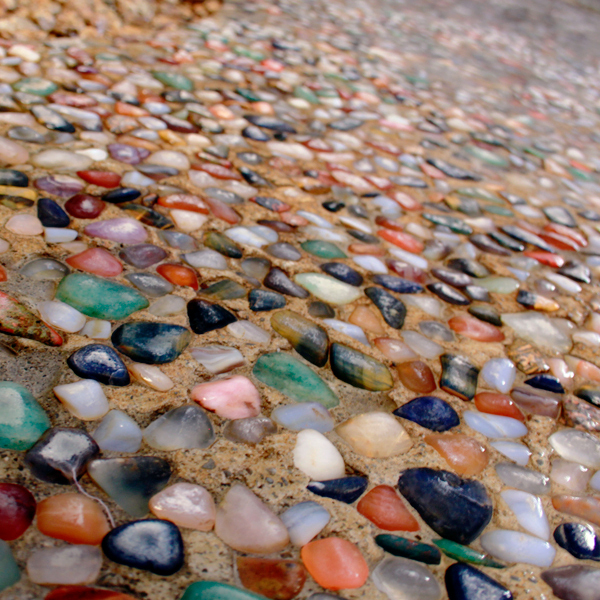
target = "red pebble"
x: 106, y: 179
x: 562, y: 242
x: 475, y: 329
x: 388, y: 223
x: 97, y: 261
x: 406, y: 201
x: 383, y: 507
x: 179, y: 275
x: 495, y: 403
x: 84, y: 206
x: 3, y: 276
x: 573, y: 234
x: 184, y: 202
x: 402, y: 240
x: 17, y: 509
x: 546, y: 258
x: 78, y: 592
x: 217, y: 171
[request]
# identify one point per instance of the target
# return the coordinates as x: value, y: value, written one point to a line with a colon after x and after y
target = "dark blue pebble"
x: 430, y: 412
x: 398, y: 284
x: 121, y: 195
x: 457, y: 509
x: 205, y: 316
x: 252, y: 177
x: 151, y: 545
x: 361, y: 236
x: 465, y: 582
x: 52, y: 214
x: 507, y: 241
x: 277, y: 280
x: 345, y: 489
x: 101, y: 363
x: 269, y: 203
x: 255, y: 133
x: 547, y: 383
x: 448, y: 294
x: 61, y: 455
x: 578, y: 540
x: 265, y: 300
x: 151, y: 343
x: 13, y: 177
x: 392, y: 310
x: 343, y: 273
x: 333, y: 206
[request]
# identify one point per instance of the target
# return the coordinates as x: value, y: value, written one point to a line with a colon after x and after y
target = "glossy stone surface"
x: 464, y: 582
x: 205, y: 316
x: 455, y: 508
x: 401, y: 578
x: 214, y: 590
x: 578, y: 540
x: 375, y: 435
x: 383, y: 507
x: 73, y: 518
x: 416, y: 376
x: 101, y: 363
x: 233, y: 398
x: 99, y: 298
x: 573, y: 582
x: 514, y: 546
x: 406, y: 548
x: 150, y: 545
x: 343, y: 489
x: 358, y: 369
x: 17, y: 509
x: 273, y: 578
x: 294, y: 379
x: 61, y: 455
x: 131, y: 482
x: 304, y: 521
x: 459, y: 376
x: 22, y: 419
x: 430, y: 412
x: 184, y: 427
x: 464, y: 454
x: 9, y: 570
x: 151, y: 343
x: 186, y: 505
x: 308, y: 415
x: 246, y: 524
x: 307, y: 338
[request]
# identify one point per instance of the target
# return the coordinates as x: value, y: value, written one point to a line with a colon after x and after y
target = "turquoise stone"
x: 175, y: 80
x: 293, y: 379
x: 22, y: 419
x: 359, y: 370
x: 322, y: 249
x: 303, y: 92
x: 213, y: 590
x: 35, y: 85
x: 151, y: 343
x: 9, y: 571
x: 100, y: 298
x: 457, y: 551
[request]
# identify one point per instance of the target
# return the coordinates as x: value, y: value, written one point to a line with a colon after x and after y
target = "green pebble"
x: 9, y: 570
x: 457, y: 551
x: 213, y: 590
x: 247, y: 94
x: 498, y: 210
x: 303, y: 92
x: 454, y: 223
x: 581, y: 175
x: 175, y: 80
x: 399, y: 546
x: 491, y: 158
x: 226, y: 289
x: 479, y: 193
x: 322, y: 249
x: 294, y: 379
x: 36, y: 86
x: 100, y: 298
x: 22, y: 419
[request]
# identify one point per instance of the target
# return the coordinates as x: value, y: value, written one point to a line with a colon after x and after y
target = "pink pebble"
x: 123, y: 230
x: 25, y: 225
x: 97, y: 261
x: 234, y: 398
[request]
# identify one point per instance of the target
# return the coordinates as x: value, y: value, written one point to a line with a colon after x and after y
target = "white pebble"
x: 97, y: 329
x: 61, y: 315
x: 517, y: 547
x: 84, y: 399
x: 494, y: 426
x: 317, y: 457
x: 118, y: 432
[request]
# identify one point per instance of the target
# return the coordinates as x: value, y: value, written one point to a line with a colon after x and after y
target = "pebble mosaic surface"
x: 289, y: 310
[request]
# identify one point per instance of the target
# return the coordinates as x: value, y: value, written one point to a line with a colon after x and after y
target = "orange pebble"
x: 475, y: 329
x: 364, y: 317
x: 97, y: 261
x: 463, y: 453
x: 335, y: 564
x: 416, y: 376
x: 184, y: 202
x: 584, y: 508
x: 179, y: 275
x: 122, y: 108
x: 73, y: 518
x: 383, y: 507
x: 402, y: 240
x: 495, y: 403
x: 371, y: 249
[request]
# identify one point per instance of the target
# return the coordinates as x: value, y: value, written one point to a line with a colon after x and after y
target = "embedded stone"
x: 233, y: 398
x: 304, y: 521
x: 416, y: 376
x: 464, y: 582
x: 180, y: 428
x: 430, y: 412
x: 17, y: 509
x: 101, y: 363
x: 186, y: 505
x: 573, y: 582
x: 328, y: 289
x: 308, y: 339
x: 66, y: 565
x: 459, y: 376
x: 358, y: 369
x: 205, y: 316
x: 274, y: 578
x: 384, y: 508
x: 400, y: 578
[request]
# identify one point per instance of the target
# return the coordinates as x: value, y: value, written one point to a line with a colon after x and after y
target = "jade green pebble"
x: 491, y: 158
x: 9, y: 571
x: 100, y: 298
x: 306, y: 94
x: 22, y: 419
x: 457, y: 551
x: 498, y: 210
x: 322, y: 249
x: 400, y: 546
x: 213, y: 590
x: 36, y: 86
x: 248, y: 94
x: 293, y: 379
x: 454, y: 223
x: 175, y: 80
